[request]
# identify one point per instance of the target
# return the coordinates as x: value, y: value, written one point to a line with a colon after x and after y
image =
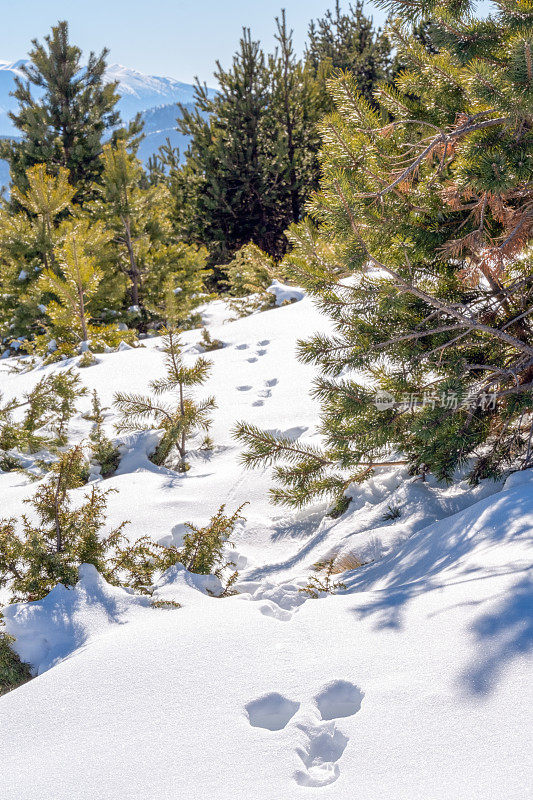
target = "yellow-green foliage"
x: 250, y: 272
x: 77, y: 283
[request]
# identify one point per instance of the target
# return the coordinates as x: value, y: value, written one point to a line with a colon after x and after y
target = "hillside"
x: 409, y: 684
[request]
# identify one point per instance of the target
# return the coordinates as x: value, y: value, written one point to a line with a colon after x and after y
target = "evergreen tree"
x: 65, y: 125
x: 13, y: 671
x: 27, y: 241
x: 48, y: 409
x: 180, y: 422
x: 203, y: 548
x: 103, y: 451
x: 251, y: 159
x: 58, y: 538
x: 78, y: 282
x: 348, y: 41
x: 148, y: 252
x: 429, y: 216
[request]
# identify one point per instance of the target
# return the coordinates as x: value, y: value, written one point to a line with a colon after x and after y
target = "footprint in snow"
x: 251, y: 360
x: 271, y: 711
x: 266, y: 392
x: 243, y: 388
x: 320, y: 754
x: 338, y: 699
x: 241, y: 347
x: 325, y: 743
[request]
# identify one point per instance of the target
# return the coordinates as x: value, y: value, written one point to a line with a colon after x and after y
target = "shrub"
x: 322, y: 582
x: 13, y: 671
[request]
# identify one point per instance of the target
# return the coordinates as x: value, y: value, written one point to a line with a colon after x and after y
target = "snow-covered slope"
x: 412, y: 684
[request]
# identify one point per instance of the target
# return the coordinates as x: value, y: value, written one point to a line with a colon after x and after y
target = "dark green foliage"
x: 13, y: 671
x: 66, y: 125
x: 103, y: 451
x: 425, y: 205
x: 347, y: 40
x: 251, y: 160
x: 392, y: 513
x: 179, y: 421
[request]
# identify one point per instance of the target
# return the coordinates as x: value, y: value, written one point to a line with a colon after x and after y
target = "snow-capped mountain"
x: 138, y: 91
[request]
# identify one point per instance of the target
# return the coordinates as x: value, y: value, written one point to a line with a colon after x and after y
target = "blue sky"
x: 161, y: 37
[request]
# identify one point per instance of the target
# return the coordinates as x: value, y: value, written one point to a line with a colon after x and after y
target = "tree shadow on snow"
x: 443, y: 555
x: 503, y: 634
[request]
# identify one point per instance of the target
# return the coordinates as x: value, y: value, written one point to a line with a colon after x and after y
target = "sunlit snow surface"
x: 415, y: 684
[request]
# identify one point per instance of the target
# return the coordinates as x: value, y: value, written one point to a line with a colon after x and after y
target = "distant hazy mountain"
x: 138, y: 92
x: 154, y: 96
x: 160, y: 125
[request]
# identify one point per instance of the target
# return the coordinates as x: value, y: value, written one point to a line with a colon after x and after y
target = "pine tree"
x: 251, y: 160
x: 13, y: 671
x: 425, y: 206
x: 348, y: 41
x: 180, y: 422
x: 48, y: 409
x: 103, y: 451
x: 65, y: 126
x: 77, y: 284
x: 27, y: 241
x: 58, y: 538
x: 148, y: 252
x: 203, y: 549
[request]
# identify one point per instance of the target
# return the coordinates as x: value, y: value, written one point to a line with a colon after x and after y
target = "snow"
x: 413, y: 683
x: 285, y: 293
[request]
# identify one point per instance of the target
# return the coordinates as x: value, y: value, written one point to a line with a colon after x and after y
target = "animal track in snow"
x: 266, y: 392
x: 339, y: 699
x: 323, y: 743
x: 251, y: 360
x: 272, y: 610
x: 241, y: 346
x: 243, y: 388
x: 326, y: 743
x: 263, y: 342
x: 320, y: 755
x: 271, y: 711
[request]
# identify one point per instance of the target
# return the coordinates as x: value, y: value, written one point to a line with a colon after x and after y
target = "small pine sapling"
x: 203, y: 550
x: 51, y: 549
x: 208, y: 343
x: 49, y: 407
x: 78, y: 284
x: 103, y: 451
x: 179, y: 421
x: 393, y: 512
x: 322, y: 582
